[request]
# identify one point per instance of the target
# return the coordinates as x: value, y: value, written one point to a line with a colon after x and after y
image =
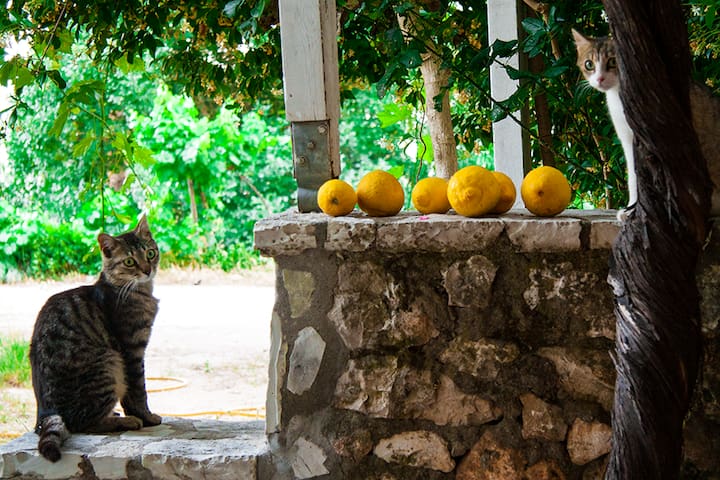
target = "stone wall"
x: 420, y: 347
x: 439, y: 347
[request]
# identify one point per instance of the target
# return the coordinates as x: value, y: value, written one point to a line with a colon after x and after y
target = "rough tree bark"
x: 652, y: 272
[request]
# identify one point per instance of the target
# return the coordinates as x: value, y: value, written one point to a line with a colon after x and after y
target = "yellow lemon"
x: 379, y: 194
x: 545, y: 191
x: 507, y: 193
x: 473, y: 191
x: 336, y: 197
x: 430, y: 195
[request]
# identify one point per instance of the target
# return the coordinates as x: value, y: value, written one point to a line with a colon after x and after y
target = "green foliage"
x: 235, y: 172
x: 209, y: 153
x: 35, y: 246
x: 14, y: 363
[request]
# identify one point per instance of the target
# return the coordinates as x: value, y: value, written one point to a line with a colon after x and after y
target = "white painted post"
x: 510, y: 140
x: 308, y: 35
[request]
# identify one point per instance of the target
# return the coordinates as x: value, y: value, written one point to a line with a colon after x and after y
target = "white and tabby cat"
x: 597, y: 62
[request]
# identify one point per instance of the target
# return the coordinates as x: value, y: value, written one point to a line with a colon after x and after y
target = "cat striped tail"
x: 53, y: 433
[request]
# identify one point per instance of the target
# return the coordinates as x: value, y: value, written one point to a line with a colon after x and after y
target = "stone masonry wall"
x: 439, y: 347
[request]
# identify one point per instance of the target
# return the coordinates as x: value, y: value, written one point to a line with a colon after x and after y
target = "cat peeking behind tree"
x: 598, y: 64
x: 88, y: 346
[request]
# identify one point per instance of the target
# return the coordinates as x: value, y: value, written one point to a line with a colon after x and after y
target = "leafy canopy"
x: 96, y: 99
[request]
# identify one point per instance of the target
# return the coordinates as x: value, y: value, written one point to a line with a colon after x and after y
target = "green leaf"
x: 710, y: 15
x: 133, y: 152
x: 16, y: 73
x: 126, y: 66
x: 131, y: 178
x: 397, y: 171
x: 533, y: 25
x: 392, y: 114
x: 82, y: 147
x: 230, y: 8
x: 57, y: 79
x: 410, y: 58
x: 60, y: 120
x: 503, y: 49
x: 498, y: 113
x: 516, y: 74
x: 143, y: 156
x: 555, y: 71
x: 258, y: 9
x: 425, y: 150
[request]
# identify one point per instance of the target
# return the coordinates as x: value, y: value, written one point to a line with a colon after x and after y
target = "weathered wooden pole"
x: 652, y: 272
x: 308, y: 35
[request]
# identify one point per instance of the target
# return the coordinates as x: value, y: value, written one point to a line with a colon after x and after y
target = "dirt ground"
x: 208, y: 353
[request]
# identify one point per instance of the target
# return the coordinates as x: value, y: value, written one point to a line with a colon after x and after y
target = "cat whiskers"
x: 584, y: 89
x: 126, y: 290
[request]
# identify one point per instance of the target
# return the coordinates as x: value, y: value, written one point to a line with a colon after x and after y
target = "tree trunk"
x: 193, y: 201
x: 439, y: 121
x: 654, y: 258
x: 542, y: 116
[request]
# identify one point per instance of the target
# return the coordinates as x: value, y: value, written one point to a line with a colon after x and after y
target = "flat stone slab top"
x: 292, y: 233
x: 176, y: 449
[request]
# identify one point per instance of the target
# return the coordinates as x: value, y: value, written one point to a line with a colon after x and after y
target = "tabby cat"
x: 597, y: 62
x: 88, y: 346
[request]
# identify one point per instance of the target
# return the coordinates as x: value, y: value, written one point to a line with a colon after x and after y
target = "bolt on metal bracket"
x: 311, y: 161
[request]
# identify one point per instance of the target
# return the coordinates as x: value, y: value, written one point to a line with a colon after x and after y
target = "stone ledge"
x: 177, y: 449
x: 292, y: 233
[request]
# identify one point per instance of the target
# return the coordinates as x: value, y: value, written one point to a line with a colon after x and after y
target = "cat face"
x: 597, y: 62
x: 130, y: 258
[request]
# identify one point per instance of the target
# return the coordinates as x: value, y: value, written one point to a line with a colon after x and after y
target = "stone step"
x: 177, y: 449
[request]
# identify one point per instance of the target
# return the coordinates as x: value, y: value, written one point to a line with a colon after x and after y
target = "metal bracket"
x: 311, y: 161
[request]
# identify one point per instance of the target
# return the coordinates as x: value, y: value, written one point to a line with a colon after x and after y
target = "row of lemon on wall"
x: 472, y: 191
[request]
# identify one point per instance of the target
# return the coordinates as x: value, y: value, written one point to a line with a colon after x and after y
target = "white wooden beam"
x: 510, y: 140
x: 308, y: 34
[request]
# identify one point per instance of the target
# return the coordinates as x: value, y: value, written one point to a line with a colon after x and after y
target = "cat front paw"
x: 127, y: 423
x: 624, y: 214
x: 151, y: 419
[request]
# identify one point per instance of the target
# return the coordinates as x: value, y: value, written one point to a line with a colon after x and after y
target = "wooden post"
x: 511, y: 141
x: 308, y: 34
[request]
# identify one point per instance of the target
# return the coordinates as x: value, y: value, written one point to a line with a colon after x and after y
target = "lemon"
x: 336, y: 197
x: 507, y: 193
x: 379, y: 194
x: 545, y: 191
x: 430, y: 195
x: 473, y: 191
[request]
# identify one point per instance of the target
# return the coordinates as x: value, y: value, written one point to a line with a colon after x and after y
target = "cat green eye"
x: 611, y: 63
x: 589, y: 65
x: 129, y: 262
x: 151, y: 254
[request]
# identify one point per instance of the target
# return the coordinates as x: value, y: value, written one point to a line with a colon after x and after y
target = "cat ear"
x: 580, y: 39
x: 106, y: 243
x: 142, y: 229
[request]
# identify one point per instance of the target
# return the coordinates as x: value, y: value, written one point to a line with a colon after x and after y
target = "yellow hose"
x: 256, y: 413
x: 182, y: 383
x: 238, y: 412
x: 7, y: 436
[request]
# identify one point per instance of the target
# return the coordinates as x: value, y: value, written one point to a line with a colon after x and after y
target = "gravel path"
x: 211, y: 338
